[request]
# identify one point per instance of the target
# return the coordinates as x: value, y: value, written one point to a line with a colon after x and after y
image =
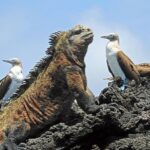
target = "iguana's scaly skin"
x: 51, y: 89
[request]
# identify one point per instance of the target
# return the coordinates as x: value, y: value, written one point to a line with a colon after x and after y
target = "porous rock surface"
x: 122, y: 123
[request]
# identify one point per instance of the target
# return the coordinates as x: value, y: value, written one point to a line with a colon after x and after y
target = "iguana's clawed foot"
x: 9, y: 145
x: 93, y: 109
x: 22, y: 146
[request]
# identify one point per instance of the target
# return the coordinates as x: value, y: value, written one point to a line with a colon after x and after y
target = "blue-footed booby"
x: 119, y: 64
x: 10, y: 83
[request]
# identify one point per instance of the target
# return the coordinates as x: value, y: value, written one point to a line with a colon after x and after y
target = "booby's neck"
x: 112, y: 47
x: 18, y: 65
x: 16, y: 72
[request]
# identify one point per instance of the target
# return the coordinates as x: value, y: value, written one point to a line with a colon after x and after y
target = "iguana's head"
x: 80, y: 36
x: 75, y: 41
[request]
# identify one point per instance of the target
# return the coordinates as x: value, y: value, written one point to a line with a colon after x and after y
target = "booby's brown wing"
x: 128, y: 67
x: 109, y: 68
x: 4, y: 85
x: 143, y: 69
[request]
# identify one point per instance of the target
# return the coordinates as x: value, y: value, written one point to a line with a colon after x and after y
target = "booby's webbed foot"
x: 118, y: 81
x: 124, y: 85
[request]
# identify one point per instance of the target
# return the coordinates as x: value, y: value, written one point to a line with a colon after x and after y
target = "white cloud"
x: 96, y: 69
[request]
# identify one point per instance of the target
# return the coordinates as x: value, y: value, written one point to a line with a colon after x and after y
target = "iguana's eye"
x: 77, y: 32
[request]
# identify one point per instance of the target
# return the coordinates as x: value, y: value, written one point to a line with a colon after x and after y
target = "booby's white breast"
x: 115, y: 67
x: 111, y: 55
x: 17, y: 77
x: 16, y: 73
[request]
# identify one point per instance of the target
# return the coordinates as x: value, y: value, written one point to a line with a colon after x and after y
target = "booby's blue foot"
x: 124, y: 86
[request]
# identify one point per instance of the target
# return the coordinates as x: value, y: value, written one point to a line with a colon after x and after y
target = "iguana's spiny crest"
x: 77, y: 36
x: 73, y: 43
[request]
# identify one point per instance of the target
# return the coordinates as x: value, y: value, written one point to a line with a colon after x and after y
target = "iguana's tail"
x: 143, y: 69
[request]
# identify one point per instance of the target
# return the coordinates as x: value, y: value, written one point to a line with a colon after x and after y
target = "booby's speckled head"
x: 13, y: 61
x: 111, y: 37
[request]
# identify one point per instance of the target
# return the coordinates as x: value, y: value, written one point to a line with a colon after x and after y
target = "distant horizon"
x: 26, y: 26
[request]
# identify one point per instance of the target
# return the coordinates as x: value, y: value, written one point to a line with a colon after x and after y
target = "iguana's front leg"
x: 77, y: 86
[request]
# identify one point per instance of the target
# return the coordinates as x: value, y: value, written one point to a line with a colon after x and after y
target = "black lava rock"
x: 122, y: 123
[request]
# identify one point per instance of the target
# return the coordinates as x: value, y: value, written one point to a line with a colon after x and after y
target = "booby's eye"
x: 111, y: 35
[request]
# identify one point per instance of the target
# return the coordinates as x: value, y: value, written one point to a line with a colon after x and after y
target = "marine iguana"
x: 50, y: 89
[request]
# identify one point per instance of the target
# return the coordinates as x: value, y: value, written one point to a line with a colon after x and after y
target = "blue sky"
x: 26, y: 25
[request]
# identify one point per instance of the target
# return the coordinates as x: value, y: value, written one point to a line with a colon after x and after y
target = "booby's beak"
x: 8, y: 61
x: 105, y: 37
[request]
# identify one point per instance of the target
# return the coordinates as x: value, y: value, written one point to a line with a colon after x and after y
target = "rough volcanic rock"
x: 122, y: 123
